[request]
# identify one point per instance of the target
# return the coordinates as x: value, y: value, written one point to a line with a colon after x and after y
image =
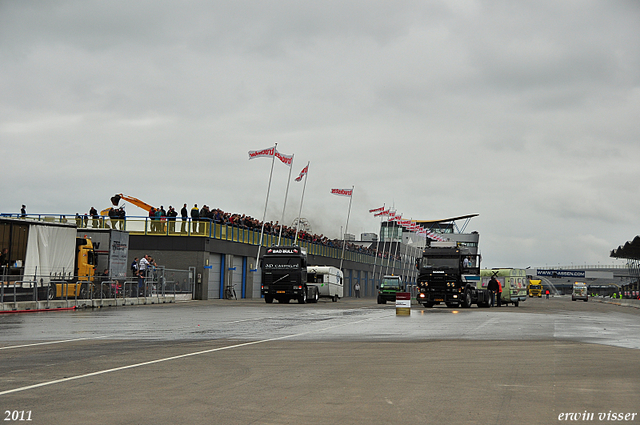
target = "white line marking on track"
x: 166, y: 359
x: 49, y: 342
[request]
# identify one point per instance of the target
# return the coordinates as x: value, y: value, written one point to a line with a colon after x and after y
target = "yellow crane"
x: 115, y: 200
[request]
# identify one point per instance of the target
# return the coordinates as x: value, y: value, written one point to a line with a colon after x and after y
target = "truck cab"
x: 284, y: 274
x: 388, y: 288
x: 535, y: 288
x: 450, y: 274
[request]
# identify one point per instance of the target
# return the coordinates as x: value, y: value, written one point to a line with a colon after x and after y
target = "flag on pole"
x: 381, y: 213
x: 304, y: 171
x: 376, y: 210
x: 342, y: 192
x: 286, y: 159
x: 268, y: 152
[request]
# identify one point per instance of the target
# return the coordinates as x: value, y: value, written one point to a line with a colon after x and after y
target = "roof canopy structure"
x: 447, y: 225
x: 447, y: 220
x: 630, y: 250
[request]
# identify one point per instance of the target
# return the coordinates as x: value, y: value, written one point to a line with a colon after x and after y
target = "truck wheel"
x: 303, y: 297
x: 268, y: 299
x: 315, y: 296
x: 334, y: 299
x: 466, y: 301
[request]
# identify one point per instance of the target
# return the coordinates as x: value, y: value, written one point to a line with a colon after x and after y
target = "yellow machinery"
x: 115, y: 200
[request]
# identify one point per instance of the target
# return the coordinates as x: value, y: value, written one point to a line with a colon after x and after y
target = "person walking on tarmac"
x: 494, y: 286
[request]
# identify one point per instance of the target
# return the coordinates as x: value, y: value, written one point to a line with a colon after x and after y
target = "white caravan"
x: 329, y: 281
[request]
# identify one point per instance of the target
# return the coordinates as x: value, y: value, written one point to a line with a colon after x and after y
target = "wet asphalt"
x: 246, y: 362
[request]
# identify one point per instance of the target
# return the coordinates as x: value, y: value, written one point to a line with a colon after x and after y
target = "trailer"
x: 44, y: 260
x: 513, y: 282
x: 328, y: 280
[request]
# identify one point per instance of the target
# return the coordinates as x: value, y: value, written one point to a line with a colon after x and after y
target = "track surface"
x: 245, y: 362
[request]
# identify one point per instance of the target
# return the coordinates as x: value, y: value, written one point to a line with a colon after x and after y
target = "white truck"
x: 328, y: 279
x: 580, y: 292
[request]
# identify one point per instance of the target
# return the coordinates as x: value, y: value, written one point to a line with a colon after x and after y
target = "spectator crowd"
x: 200, y: 217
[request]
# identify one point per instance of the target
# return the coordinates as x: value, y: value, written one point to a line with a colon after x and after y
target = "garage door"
x: 236, y: 277
x: 214, y: 276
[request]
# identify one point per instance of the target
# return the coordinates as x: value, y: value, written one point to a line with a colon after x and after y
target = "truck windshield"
x: 282, y: 263
x: 441, y: 261
x: 390, y: 283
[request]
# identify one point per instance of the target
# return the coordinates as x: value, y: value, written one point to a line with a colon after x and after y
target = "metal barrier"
x: 51, y: 289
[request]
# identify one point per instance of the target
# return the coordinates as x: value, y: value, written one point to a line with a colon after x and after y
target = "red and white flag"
x: 262, y: 153
x: 286, y: 159
x: 376, y: 210
x: 342, y: 192
x: 304, y: 171
x: 381, y: 213
x: 269, y: 152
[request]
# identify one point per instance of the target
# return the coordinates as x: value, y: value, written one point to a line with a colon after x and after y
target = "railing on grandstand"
x: 141, y: 225
x: 160, y: 282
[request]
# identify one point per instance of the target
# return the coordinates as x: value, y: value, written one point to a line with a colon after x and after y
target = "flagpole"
x: 264, y: 214
x: 346, y: 227
x: 395, y: 252
x: 389, y: 250
x: 377, y: 249
x: 286, y: 194
x: 301, y: 200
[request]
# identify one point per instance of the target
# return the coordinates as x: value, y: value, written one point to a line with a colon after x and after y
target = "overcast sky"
x: 526, y: 113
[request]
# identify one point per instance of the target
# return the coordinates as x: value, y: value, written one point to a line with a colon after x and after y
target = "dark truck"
x: 450, y: 274
x: 388, y: 288
x: 284, y: 276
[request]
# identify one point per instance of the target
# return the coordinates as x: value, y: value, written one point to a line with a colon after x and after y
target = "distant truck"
x: 46, y: 260
x: 535, y: 288
x: 513, y: 282
x: 328, y: 280
x: 284, y: 276
x: 579, y: 292
x: 389, y: 286
x: 450, y: 274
